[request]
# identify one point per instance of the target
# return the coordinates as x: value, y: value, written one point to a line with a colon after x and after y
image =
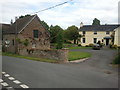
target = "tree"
x: 59, y: 40
x: 96, y: 22
x: 54, y: 30
x: 24, y: 16
x: 72, y: 33
x: 45, y: 25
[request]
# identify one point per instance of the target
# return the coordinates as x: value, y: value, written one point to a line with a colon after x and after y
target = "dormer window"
x: 95, y: 32
x: 35, y: 33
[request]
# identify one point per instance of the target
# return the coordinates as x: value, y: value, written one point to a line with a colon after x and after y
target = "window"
x: 102, y: 40
x: 35, y: 33
x: 107, y: 32
x: 13, y: 43
x: 95, y: 32
x: 84, y: 32
x: 83, y: 40
x: 95, y: 40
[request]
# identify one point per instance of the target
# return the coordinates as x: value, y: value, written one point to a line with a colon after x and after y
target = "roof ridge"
x: 33, y: 16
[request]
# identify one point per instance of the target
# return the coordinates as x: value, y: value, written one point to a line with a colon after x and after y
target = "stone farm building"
x: 103, y: 33
x: 27, y: 32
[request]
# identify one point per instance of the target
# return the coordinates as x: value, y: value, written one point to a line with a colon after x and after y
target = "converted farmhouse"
x: 106, y: 34
x: 27, y: 32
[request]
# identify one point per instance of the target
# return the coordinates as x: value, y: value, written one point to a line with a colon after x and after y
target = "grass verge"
x: 30, y: 58
x: 78, y: 47
x: 116, y: 60
x: 73, y: 55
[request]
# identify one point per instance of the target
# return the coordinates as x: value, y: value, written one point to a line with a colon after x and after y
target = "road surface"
x: 95, y: 72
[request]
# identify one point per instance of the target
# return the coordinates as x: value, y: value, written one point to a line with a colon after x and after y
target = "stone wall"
x: 60, y: 55
x: 11, y: 46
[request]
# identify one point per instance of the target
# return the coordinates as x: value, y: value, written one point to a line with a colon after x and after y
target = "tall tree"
x: 54, y: 30
x: 59, y: 40
x: 96, y: 22
x: 45, y: 25
x: 72, y: 33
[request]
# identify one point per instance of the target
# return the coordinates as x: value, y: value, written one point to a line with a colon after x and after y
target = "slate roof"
x: 18, y: 25
x: 5, y: 27
x: 98, y: 27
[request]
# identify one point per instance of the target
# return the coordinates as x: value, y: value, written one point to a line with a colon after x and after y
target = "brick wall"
x: 42, y: 42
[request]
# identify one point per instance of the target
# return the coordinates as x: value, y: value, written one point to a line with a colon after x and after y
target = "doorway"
x: 107, y: 42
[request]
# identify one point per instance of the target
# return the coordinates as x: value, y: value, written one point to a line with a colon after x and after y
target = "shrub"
x: 117, y: 60
x: 59, y: 40
x: 19, y: 40
x: 114, y: 46
x: 26, y: 42
x: 87, y: 46
x: 79, y: 45
x: 91, y: 45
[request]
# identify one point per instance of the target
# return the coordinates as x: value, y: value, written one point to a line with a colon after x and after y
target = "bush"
x: 79, y: 45
x: 91, y: 45
x: 87, y: 46
x: 59, y: 40
x: 26, y: 42
x: 117, y: 60
x: 114, y: 46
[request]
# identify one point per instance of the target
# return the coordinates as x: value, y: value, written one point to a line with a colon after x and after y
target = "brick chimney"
x: 11, y: 22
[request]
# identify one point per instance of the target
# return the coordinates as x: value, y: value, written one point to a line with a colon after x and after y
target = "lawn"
x: 30, y: 58
x: 73, y: 55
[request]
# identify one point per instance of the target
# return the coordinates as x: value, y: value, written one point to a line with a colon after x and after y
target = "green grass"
x: 30, y: 58
x: 78, y: 47
x: 116, y: 60
x: 73, y: 55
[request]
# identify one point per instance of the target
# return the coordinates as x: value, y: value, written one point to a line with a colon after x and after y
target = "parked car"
x: 96, y: 47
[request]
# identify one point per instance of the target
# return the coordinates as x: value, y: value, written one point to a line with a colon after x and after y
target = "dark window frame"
x: 83, y: 40
x: 84, y: 32
x: 35, y: 33
x: 13, y: 42
x: 94, y: 40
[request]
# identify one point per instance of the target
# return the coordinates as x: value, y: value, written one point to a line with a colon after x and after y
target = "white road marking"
x: 3, y: 72
x: 17, y: 82
x: 7, y: 75
x: 4, y: 84
x: 24, y: 86
x: 11, y: 78
x: 1, y: 80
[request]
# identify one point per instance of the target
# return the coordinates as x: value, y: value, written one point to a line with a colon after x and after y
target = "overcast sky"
x: 66, y: 15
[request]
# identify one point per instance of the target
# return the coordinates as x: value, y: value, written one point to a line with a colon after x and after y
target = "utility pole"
x: 16, y: 44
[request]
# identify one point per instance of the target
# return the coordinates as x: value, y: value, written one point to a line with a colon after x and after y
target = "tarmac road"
x: 93, y: 73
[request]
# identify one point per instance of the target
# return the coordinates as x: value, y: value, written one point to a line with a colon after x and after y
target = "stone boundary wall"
x: 60, y: 54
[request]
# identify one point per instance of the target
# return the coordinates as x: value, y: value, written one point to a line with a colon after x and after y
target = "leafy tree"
x: 45, y: 24
x: 72, y: 33
x: 59, y: 40
x: 96, y: 22
x: 24, y: 16
x: 54, y: 30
